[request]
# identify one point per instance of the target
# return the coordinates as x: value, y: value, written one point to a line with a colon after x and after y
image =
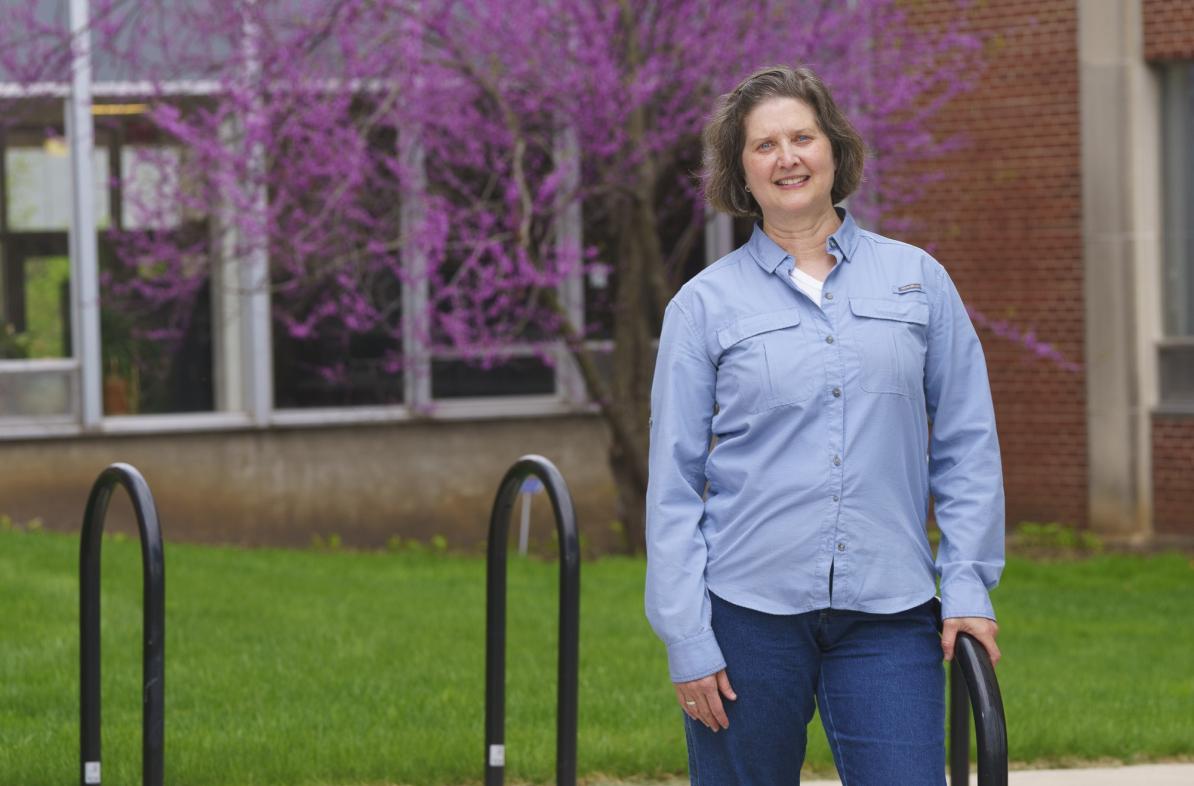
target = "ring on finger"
x: 690, y: 702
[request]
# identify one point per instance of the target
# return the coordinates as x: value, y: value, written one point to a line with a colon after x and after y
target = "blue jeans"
x: 876, y: 678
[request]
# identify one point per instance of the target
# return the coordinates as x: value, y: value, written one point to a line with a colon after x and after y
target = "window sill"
x: 1174, y: 409
x: 15, y: 429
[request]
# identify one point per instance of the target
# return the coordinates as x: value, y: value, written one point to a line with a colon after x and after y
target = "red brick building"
x: 1065, y: 222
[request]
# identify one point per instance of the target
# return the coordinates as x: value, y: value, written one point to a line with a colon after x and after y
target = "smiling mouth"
x: 792, y: 181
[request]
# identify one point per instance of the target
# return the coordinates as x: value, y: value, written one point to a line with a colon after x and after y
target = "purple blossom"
x: 1025, y: 338
x: 318, y: 105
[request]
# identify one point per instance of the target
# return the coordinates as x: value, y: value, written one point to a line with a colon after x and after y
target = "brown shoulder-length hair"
x: 724, y: 137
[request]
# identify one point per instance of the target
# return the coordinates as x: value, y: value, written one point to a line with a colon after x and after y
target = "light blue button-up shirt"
x: 791, y: 438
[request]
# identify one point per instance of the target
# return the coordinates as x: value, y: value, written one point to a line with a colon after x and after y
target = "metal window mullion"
x: 3, y: 202
x: 570, y: 384
x: 228, y: 331
x: 84, y: 254
x: 416, y: 299
x: 254, y: 270
x: 256, y: 329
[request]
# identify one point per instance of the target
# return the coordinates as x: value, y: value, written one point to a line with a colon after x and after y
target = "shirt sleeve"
x: 965, y: 472
x: 677, y: 599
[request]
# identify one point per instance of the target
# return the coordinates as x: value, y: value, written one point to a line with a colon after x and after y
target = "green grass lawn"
x: 336, y: 668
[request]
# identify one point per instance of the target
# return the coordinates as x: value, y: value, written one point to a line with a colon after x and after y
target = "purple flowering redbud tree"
x: 370, y: 147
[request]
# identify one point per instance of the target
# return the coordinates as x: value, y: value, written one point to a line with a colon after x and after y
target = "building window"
x: 158, y: 312
x: 483, y: 330
x: 1177, y: 346
x: 337, y: 312
x: 38, y: 375
x: 35, y: 274
x: 176, y: 337
x: 514, y: 376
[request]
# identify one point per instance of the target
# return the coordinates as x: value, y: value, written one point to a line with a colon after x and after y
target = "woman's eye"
x: 766, y: 146
x: 803, y: 138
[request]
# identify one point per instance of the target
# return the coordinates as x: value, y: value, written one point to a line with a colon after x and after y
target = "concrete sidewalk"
x: 1142, y: 775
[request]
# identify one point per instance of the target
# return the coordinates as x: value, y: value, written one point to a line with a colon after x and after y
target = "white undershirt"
x: 807, y: 284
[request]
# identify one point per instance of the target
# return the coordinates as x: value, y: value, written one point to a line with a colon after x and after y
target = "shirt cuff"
x: 966, y: 600
x: 695, y: 657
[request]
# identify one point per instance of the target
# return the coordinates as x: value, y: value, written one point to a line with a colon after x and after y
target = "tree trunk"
x: 641, y: 296
x: 632, y: 368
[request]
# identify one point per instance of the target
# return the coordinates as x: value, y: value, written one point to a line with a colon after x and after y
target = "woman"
x: 788, y: 563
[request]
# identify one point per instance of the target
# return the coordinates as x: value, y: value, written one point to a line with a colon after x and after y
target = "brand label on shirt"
x: 914, y: 287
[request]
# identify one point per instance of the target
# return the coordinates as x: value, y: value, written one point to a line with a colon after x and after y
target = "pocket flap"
x: 755, y: 324
x: 883, y: 308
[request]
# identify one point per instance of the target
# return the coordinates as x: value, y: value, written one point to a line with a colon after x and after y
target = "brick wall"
x: 1007, y: 224
x: 1168, y: 29
x: 1173, y: 475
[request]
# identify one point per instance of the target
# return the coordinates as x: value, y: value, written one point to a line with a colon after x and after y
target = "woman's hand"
x: 981, y: 628
x: 701, y: 699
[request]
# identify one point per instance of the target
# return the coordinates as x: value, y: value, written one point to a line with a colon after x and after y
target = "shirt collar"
x: 769, y: 254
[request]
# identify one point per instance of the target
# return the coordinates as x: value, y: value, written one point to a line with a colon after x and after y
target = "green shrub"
x: 1053, y: 536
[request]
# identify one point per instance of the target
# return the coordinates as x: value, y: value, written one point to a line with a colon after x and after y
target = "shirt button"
x: 829, y: 339
x: 841, y: 547
x: 837, y: 461
x: 829, y: 296
x: 837, y: 392
x: 836, y: 497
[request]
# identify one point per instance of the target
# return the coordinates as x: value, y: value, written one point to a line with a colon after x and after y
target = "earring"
x: 748, y: 189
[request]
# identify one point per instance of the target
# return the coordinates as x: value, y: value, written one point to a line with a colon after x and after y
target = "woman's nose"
x: 788, y: 155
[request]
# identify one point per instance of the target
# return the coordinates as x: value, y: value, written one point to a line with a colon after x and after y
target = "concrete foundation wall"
x: 285, y: 486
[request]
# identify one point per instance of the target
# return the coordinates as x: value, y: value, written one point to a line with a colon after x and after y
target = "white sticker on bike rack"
x: 497, y: 755
x: 91, y: 772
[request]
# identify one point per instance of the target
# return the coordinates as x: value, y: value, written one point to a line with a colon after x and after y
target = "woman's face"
x: 788, y: 160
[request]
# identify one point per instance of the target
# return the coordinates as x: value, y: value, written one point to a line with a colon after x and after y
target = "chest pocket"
x: 766, y: 362
x: 890, y: 340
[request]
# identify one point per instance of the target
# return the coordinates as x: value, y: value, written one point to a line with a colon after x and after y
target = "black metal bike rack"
x: 154, y: 624
x: 972, y: 682
x: 495, y: 620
